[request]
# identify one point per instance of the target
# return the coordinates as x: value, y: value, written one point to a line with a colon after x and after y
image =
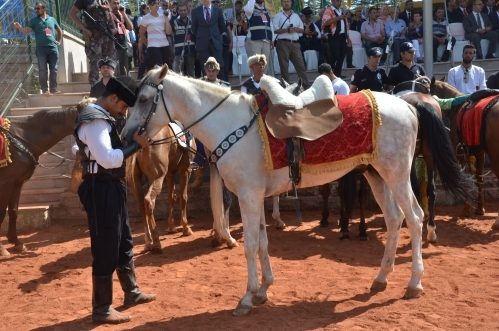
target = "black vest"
x: 87, y: 115
x: 250, y: 87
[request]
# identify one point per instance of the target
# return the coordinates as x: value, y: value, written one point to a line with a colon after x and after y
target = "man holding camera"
x: 123, y: 25
x: 335, y: 25
x: 288, y: 26
x: 97, y: 44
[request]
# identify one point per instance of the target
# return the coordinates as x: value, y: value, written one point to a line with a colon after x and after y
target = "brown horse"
x: 491, y: 122
x: 156, y: 163
x: 37, y: 133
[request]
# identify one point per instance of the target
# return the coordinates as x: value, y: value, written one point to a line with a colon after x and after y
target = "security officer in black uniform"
x: 406, y: 69
x: 103, y: 194
x: 371, y: 76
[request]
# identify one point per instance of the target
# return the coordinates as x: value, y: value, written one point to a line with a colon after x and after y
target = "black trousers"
x: 338, y: 50
x: 158, y: 56
x: 110, y: 234
x: 217, y: 54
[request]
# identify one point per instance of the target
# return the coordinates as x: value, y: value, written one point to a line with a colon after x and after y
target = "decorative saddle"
x: 310, y: 115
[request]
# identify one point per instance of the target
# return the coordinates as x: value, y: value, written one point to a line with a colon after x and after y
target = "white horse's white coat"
x: 244, y: 172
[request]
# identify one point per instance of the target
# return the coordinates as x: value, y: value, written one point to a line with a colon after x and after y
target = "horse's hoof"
x: 412, y: 292
x: 432, y: 238
x: 495, y: 226
x: 4, y: 252
x: 378, y: 286
x: 232, y: 244
x: 279, y: 225
x: 156, y: 250
x: 187, y: 232
x: 216, y: 242
x: 364, y: 238
x: 172, y: 230
x: 324, y: 224
x: 259, y: 299
x: 344, y: 235
x: 20, y: 248
x: 480, y: 211
x: 242, y: 310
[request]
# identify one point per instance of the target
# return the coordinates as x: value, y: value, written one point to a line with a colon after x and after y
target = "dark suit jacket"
x: 494, y: 20
x: 458, y: 16
x: 493, y: 81
x: 485, y: 9
x: 470, y: 25
x: 204, y: 31
x: 403, y: 17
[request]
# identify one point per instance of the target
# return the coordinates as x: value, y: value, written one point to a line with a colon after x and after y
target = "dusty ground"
x: 320, y: 281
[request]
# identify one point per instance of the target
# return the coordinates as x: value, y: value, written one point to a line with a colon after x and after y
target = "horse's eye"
x: 142, y: 100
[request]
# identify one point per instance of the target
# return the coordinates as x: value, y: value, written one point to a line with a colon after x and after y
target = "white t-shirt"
x: 476, y: 79
x: 340, y: 87
x: 156, y: 35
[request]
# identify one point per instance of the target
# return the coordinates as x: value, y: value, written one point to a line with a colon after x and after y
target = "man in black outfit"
x: 103, y: 194
x: 372, y: 76
x: 406, y: 69
x: 106, y: 67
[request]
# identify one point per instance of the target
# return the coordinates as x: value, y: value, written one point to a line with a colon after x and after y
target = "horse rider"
x: 372, y: 76
x: 257, y: 64
x: 103, y: 194
x: 97, y: 44
x: 211, y: 68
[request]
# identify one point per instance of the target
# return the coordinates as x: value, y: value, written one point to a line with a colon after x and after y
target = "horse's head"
x: 149, y: 103
x: 442, y: 89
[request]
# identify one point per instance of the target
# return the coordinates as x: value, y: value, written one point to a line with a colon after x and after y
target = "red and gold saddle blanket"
x: 4, y: 144
x: 470, y: 122
x: 354, y: 142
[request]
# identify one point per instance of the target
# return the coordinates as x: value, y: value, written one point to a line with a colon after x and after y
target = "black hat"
x: 106, y: 62
x: 125, y: 88
x: 375, y: 51
x: 215, y: 0
x: 407, y: 47
x: 307, y: 11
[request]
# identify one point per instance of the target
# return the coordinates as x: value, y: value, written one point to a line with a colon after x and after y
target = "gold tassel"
x: 4, y: 163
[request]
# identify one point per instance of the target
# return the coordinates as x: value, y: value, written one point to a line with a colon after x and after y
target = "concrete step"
x: 43, y: 100
x: 80, y: 77
x: 74, y: 87
x: 41, y: 195
x: 46, y: 182
x: 31, y: 216
x: 24, y: 112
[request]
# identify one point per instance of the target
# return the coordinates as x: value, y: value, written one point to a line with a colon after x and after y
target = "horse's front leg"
x: 251, y: 204
x: 3, y: 212
x: 431, y: 191
x: 276, y: 214
x: 13, y: 213
x: 480, y: 160
x: 184, y: 179
x: 263, y: 253
x: 172, y: 197
x: 150, y: 203
x: 326, y: 191
x: 362, y: 202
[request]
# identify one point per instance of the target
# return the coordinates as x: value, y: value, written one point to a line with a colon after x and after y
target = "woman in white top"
x: 157, y: 27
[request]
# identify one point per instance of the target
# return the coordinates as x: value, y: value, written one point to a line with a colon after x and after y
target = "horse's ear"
x: 163, y: 72
x: 300, y: 83
x: 432, y: 80
x: 284, y: 83
x: 443, y: 79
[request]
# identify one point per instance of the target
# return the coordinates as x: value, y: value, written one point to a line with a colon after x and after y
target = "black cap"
x: 215, y: 0
x: 106, y: 62
x: 125, y: 88
x: 407, y: 47
x: 307, y: 11
x: 375, y: 51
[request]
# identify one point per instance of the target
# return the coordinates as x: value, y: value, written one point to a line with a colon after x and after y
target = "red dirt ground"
x: 321, y: 283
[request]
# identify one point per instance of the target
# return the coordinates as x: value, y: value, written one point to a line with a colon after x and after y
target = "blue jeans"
x: 47, y: 55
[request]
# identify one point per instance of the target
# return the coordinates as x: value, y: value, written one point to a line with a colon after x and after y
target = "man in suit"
x: 407, y: 14
x: 490, y: 7
x: 208, y: 25
x: 494, y: 20
x: 451, y: 5
x: 477, y: 26
x: 460, y: 12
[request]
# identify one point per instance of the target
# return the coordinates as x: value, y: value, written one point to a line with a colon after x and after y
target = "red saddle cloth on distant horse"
x: 470, y: 121
x: 4, y: 143
x: 354, y: 142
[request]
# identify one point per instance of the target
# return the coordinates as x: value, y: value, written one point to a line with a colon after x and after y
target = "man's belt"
x: 288, y: 40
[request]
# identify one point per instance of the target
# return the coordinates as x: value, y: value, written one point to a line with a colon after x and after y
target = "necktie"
x: 478, y: 22
x: 465, y: 12
x: 409, y: 17
x: 208, y: 17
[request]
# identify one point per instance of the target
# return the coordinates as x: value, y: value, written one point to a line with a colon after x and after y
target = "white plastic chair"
x: 457, y: 30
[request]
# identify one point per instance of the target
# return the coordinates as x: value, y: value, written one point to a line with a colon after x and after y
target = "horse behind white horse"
x: 243, y: 167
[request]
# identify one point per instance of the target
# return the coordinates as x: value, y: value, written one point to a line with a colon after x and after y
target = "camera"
x: 291, y: 25
x: 122, y: 8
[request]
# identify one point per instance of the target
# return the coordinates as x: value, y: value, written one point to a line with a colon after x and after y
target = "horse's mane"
x: 448, y: 87
x: 46, y: 117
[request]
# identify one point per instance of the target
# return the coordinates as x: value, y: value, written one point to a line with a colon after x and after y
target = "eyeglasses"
x: 38, y: 8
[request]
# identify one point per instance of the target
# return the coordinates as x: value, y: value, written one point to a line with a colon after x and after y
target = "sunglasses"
x: 465, y: 76
x: 38, y: 8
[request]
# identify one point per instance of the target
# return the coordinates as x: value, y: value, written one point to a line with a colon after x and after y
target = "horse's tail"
x: 130, y: 169
x: 435, y: 135
x: 220, y: 224
x: 347, y: 188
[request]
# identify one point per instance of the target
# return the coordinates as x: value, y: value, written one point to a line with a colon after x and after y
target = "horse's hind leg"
x: 326, y: 191
x: 276, y: 214
x: 431, y: 191
x: 184, y: 178
x: 172, y: 197
x: 362, y: 202
x: 480, y: 160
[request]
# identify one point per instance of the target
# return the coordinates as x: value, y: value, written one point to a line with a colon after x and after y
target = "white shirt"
x: 342, y: 22
x: 248, y: 11
x: 340, y: 87
x: 476, y: 79
x: 281, y: 22
x: 96, y: 136
x: 155, y: 26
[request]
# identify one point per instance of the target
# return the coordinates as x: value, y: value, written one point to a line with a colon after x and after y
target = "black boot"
x: 102, y: 298
x: 126, y: 275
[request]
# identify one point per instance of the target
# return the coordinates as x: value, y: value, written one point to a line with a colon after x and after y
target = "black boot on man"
x: 102, y: 298
x: 126, y: 276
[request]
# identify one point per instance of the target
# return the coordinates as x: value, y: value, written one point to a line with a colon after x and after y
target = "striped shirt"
x: 156, y: 35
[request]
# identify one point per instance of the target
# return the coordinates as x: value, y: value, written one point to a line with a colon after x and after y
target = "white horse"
x: 243, y: 168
